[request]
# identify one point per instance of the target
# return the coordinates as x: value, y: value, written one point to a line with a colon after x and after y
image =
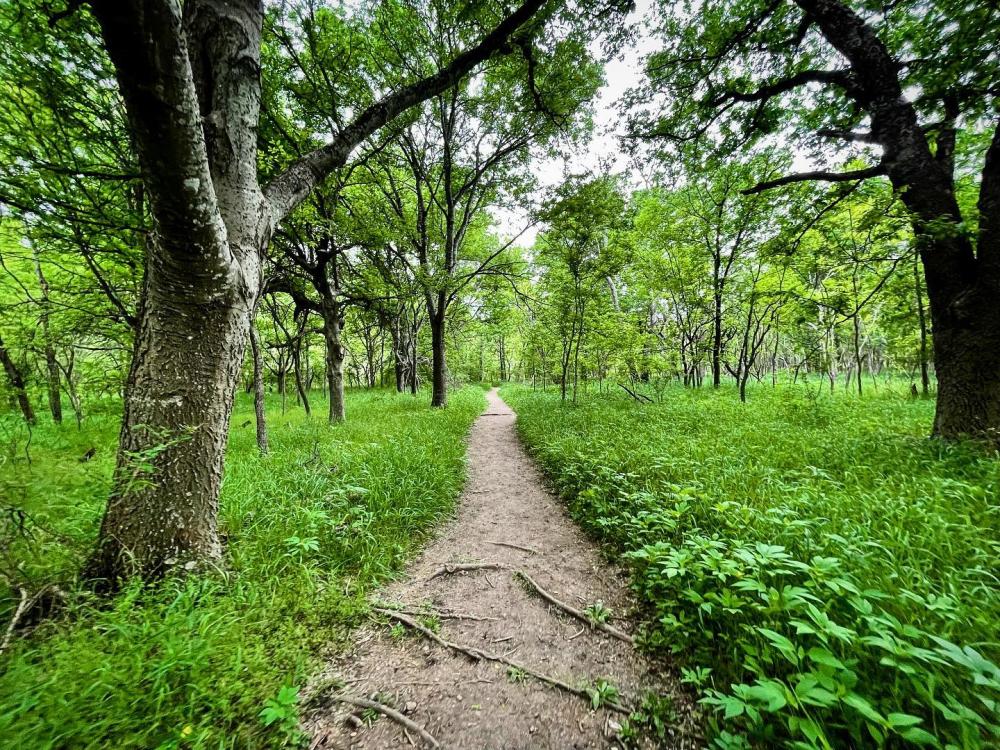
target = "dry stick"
x: 515, y: 546
x: 440, y: 614
x: 460, y: 567
x: 479, y: 655
x: 390, y: 713
x: 21, y: 606
x: 610, y: 630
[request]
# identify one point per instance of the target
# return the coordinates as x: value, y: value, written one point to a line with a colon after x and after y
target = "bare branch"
x: 818, y: 176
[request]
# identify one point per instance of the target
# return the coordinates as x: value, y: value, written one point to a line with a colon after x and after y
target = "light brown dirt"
x: 465, y: 704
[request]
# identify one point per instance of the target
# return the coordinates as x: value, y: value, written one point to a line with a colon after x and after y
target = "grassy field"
x: 217, y: 661
x: 826, y: 575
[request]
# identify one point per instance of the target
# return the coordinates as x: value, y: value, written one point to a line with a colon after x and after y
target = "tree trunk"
x: 439, y: 395
x: 16, y: 380
x: 51, y: 363
x: 297, y: 370
x: 717, y: 324
x: 332, y: 324
x: 258, y: 391
x: 925, y: 380
x: 189, y: 75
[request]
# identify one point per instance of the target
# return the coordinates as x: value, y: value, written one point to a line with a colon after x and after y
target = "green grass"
x: 194, y: 662
x: 826, y: 575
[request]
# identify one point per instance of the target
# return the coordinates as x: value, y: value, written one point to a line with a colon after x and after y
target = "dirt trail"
x: 467, y: 704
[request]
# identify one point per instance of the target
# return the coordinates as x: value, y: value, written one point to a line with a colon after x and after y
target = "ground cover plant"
x: 217, y: 660
x: 824, y: 573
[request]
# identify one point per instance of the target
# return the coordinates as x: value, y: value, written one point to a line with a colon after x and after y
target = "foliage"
x: 216, y: 661
x: 825, y: 573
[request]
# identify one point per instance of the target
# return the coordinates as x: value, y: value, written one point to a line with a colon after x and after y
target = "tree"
x: 579, y: 254
x: 189, y: 77
x: 825, y: 69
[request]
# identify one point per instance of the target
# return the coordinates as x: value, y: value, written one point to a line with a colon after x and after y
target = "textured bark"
x: 16, y: 380
x: 963, y: 278
x: 203, y: 272
x: 332, y: 325
x: 439, y: 367
x: 190, y: 78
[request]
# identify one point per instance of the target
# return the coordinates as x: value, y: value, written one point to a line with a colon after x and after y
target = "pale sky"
x: 620, y: 74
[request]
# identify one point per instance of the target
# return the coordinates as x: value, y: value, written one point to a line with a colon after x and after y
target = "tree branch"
x: 818, y: 176
x: 288, y: 189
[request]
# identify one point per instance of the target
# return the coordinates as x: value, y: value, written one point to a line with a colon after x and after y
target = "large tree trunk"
x: 963, y: 278
x: 203, y: 272
x: 16, y: 380
x: 258, y: 391
x: 189, y: 74
x: 332, y: 325
x: 439, y: 367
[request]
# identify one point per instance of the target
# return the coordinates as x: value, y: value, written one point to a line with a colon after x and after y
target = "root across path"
x: 505, y: 629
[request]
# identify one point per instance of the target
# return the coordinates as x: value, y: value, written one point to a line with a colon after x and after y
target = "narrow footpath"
x: 468, y: 630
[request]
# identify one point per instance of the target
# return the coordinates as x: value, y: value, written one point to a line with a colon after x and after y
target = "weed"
x: 824, y: 573
x: 311, y: 529
x: 602, y: 693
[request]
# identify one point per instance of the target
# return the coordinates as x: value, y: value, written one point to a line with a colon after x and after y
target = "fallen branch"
x: 461, y: 567
x: 21, y: 607
x: 515, y: 546
x: 390, y: 713
x: 569, y: 609
x: 479, y: 655
x: 640, y: 397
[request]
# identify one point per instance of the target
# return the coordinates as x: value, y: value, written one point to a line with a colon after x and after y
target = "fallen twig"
x: 515, y: 546
x: 569, y: 609
x: 640, y: 397
x: 461, y: 567
x: 390, y: 713
x: 479, y: 655
x: 21, y: 606
x: 440, y: 614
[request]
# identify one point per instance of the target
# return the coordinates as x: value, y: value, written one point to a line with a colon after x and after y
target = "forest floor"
x: 487, y: 697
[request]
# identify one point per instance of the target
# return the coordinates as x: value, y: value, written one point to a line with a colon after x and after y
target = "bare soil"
x: 464, y: 703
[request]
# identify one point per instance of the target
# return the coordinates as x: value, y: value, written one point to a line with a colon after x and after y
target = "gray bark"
x: 190, y: 78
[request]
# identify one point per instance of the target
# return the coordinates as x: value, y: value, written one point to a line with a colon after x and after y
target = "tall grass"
x: 193, y: 662
x: 826, y: 574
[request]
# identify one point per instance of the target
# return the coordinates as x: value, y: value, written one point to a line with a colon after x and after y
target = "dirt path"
x: 470, y: 704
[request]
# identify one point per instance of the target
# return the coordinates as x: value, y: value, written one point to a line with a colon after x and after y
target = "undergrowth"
x: 825, y: 574
x: 215, y: 660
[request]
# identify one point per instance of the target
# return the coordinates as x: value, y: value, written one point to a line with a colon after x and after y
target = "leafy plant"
x: 283, y: 711
x: 602, y: 693
x: 823, y: 582
x: 597, y: 612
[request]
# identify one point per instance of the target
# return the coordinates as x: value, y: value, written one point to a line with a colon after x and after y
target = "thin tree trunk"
x: 258, y: 391
x: 439, y: 367
x: 925, y: 380
x: 51, y: 363
x: 332, y: 324
x: 16, y: 380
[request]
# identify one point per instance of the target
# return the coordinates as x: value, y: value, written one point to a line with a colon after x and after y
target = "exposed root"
x: 461, y: 567
x: 389, y: 713
x: 529, y: 550
x: 569, y: 609
x: 479, y: 655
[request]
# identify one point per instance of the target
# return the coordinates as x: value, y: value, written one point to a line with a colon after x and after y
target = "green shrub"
x: 824, y: 572
x: 215, y: 661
